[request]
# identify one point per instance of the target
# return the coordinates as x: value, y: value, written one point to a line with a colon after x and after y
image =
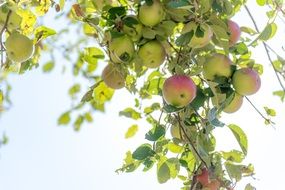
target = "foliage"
x: 186, y: 35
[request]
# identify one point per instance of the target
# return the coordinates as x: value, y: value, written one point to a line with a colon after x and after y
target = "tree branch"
x: 2, y: 48
x: 266, y: 49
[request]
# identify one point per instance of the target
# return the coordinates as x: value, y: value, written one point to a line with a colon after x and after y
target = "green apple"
x: 121, y: 49
x: 151, y: 15
x: 217, y: 65
x: 176, y: 132
x: 246, y: 81
x: 152, y: 54
x: 234, y: 31
x: 135, y: 31
x: 198, y: 41
x: 14, y: 21
x: 19, y: 47
x: 112, y: 77
x: 179, y: 90
x: 203, y: 177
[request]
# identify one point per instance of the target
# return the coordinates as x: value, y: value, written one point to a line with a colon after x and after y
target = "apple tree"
x: 185, y: 62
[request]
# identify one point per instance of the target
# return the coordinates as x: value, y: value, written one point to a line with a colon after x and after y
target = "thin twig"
x: 266, y: 49
x: 2, y: 49
x: 259, y: 112
x: 190, y: 141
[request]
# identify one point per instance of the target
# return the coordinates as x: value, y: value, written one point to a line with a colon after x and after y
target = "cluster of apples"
x: 19, y: 48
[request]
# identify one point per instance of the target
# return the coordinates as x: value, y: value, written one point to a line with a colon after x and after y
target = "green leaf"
x: 130, y: 113
x: 248, y: 30
x: 270, y: 112
x: 175, y: 148
x: 155, y: 133
x: 73, y: 90
x: 184, y: 39
x: 174, y: 166
x: 148, y: 33
x: 152, y: 108
x: 88, y: 117
x: 43, y: 32
x: 64, y: 119
x: 1, y: 97
x: 143, y: 152
x: 268, y: 32
x: 48, y: 66
x: 212, y: 117
x: 163, y: 172
x: 249, y: 187
x: 131, y: 131
x: 261, y: 2
x: 240, y: 137
x: 170, y: 109
x: 233, y: 156
x: 102, y: 93
x: 78, y: 122
x: 178, y: 3
x: 280, y: 93
x: 234, y: 171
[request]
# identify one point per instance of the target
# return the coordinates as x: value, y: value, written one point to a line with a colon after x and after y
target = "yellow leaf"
x: 131, y: 131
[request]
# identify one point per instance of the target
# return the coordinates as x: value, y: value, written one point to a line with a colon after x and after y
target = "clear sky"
x: 41, y: 155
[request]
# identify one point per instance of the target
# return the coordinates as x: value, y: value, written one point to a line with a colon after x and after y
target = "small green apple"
x: 135, y: 32
x: 121, y: 49
x: 179, y: 90
x: 151, y: 15
x: 217, y: 65
x: 19, y: 47
x: 234, y: 31
x: 112, y: 77
x: 246, y: 81
x: 201, y: 41
x: 152, y: 54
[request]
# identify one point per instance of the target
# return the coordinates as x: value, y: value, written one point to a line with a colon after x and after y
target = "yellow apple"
x: 217, y: 65
x: 112, y: 77
x: 19, y: 47
x: 121, y: 49
x: 179, y: 90
x: 198, y: 42
x: 246, y: 81
x: 151, y: 15
x: 152, y: 54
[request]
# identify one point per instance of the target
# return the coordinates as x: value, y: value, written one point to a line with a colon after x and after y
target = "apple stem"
x: 2, y: 49
x: 266, y: 49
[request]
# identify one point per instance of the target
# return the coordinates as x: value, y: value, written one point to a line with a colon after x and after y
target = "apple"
x: 179, y: 90
x: 152, y: 54
x: 217, y: 65
x: 246, y: 81
x: 233, y: 106
x: 135, y: 32
x: 198, y: 42
x: 14, y: 21
x: 151, y: 15
x: 121, y: 49
x: 203, y: 177
x: 176, y: 132
x: 99, y: 4
x: 112, y: 77
x: 19, y: 47
x: 234, y: 31
x: 213, y: 185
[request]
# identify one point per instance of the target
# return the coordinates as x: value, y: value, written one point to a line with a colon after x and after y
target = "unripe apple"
x: 179, y: 90
x: 121, y: 49
x: 213, y: 185
x: 152, y: 54
x: 246, y: 81
x: 176, y: 132
x: 135, y: 32
x: 19, y: 47
x: 217, y: 65
x: 203, y: 178
x: 198, y: 42
x: 234, y: 31
x: 235, y: 104
x: 151, y: 15
x: 112, y: 77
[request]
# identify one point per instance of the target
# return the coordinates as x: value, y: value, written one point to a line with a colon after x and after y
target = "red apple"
x: 179, y: 90
x: 217, y: 65
x: 246, y: 81
x: 234, y: 31
x: 203, y: 178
